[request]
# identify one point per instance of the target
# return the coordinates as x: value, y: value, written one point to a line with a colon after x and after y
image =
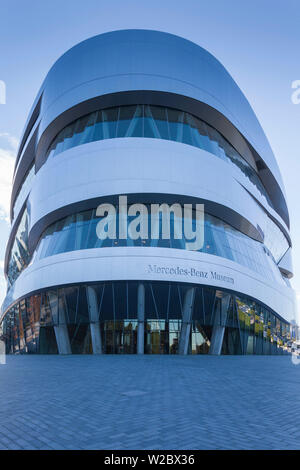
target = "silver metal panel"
x: 138, y: 165
x: 137, y: 263
x: 149, y: 60
x: 133, y: 60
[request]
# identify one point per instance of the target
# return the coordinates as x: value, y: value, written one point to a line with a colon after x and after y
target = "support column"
x: 94, y: 320
x: 186, y: 321
x: 2, y: 352
x: 141, y: 318
x: 60, y: 324
x: 219, y: 326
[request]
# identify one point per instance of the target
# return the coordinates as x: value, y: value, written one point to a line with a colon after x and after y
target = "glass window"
x: 250, y: 328
x: 127, y: 114
x: 109, y: 119
x: 19, y: 255
x: 78, y: 232
x: 155, y: 122
x: 23, y: 191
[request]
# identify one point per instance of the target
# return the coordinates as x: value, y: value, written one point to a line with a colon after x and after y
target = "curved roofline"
x: 236, y: 108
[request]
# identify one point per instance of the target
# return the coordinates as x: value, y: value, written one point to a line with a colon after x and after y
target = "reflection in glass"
x: 119, y: 336
x: 250, y: 328
x: 23, y: 191
x: 155, y: 122
x: 78, y: 232
x: 200, y: 342
x: 19, y: 255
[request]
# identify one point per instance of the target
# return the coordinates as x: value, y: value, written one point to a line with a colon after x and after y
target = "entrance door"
x: 120, y: 337
x: 156, y: 337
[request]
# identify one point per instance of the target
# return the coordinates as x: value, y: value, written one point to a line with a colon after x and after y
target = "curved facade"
x: 155, y: 120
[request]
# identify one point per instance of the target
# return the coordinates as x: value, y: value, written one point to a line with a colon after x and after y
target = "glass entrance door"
x: 162, y: 336
x: 155, y: 337
x: 120, y: 337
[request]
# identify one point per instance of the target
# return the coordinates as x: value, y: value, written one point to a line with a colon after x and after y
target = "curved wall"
x: 115, y: 62
x: 149, y: 67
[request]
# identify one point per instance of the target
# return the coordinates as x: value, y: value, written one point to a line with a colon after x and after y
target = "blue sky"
x: 257, y: 41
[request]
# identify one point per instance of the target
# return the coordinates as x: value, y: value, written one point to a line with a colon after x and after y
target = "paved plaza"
x: 149, y: 402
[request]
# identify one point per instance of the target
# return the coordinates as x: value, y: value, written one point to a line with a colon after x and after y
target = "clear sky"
x: 258, y: 41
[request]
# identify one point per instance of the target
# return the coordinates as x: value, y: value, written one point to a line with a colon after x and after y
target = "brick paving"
x: 149, y: 402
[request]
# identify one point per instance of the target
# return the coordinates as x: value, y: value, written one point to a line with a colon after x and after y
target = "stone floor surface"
x: 149, y: 402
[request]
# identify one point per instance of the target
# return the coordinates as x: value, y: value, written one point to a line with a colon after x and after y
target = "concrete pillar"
x: 94, y: 320
x: 186, y: 321
x: 60, y: 325
x: 2, y: 352
x: 141, y: 318
x: 219, y: 326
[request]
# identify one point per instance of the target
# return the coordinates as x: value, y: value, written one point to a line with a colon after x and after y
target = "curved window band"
x: 79, y: 231
x: 275, y: 243
x: 24, y: 189
x: 19, y: 255
x: 250, y: 328
x: 155, y: 122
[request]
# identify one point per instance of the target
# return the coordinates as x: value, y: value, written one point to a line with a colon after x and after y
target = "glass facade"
x: 23, y: 191
x: 249, y: 327
x: 158, y: 123
x: 78, y: 232
x: 19, y: 256
x: 65, y: 295
x: 274, y: 239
